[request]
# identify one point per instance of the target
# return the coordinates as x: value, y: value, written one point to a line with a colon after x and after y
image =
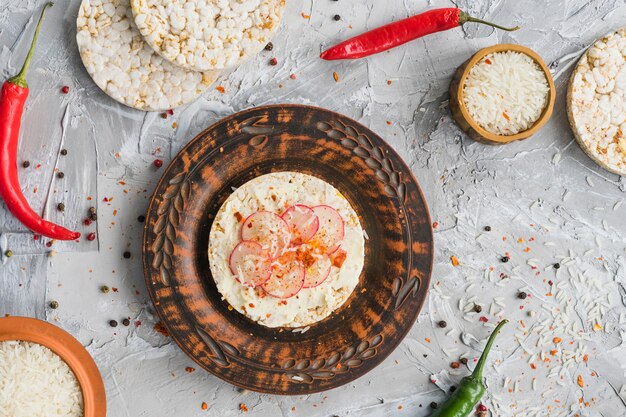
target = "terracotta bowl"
x: 461, y: 115
x: 69, y: 349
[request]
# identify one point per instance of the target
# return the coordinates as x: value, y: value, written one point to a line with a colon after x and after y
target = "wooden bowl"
x: 398, y: 252
x: 67, y: 348
x: 461, y: 115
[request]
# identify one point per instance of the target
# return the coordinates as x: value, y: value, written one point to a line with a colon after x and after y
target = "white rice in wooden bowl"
x: 35, y: 382
x: 506, y: 92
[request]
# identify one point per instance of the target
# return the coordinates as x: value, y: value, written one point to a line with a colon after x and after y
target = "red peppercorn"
x: 158, y: 163
x: 87, y: 222
x: 170, y: 112
x: 36, y: 237
x: 483, y: 319
x: 481, y: 407
x: 273, y: 61
x: 91, y: 236
x: 455, y: 365
x: 65, y: 89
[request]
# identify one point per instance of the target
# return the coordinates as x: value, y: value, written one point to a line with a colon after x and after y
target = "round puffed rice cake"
x: 127, y: 69
x: 207, y: 35
x: 596, y: 102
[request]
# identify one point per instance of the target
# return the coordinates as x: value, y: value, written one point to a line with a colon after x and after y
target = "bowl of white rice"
x: 502, y: 94
x: 45, y: 372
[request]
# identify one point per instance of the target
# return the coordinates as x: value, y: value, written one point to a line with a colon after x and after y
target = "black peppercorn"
x: 60, y: 174
x: 126, y: 255
x: 104, y: 289
x: 337, y: 17
x: 522, y: 295
x: 141, y: 219
x: 269, y: 46
x: 442, y: 324
x: 54, y: 305
x: 477, y: 308
x: 63, y: 152
x: 113, y: 323
x: 487, y: 228
x: 26, y: 164
x: 557, y: 265
x: 434, y: 405
x: 126, y: 322
x: 505, y: 259
x: 61, y: 207
x: 93, y: 217
x: 463, y: 361
x: 92, y: 210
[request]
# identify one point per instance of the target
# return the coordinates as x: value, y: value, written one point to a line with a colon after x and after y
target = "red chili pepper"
x: 12, y: 100
x: 401, y: 32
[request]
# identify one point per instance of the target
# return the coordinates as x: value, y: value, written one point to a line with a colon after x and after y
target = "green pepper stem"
x: 20, y: 79
x: 478, y: 371
x: 464, y: 18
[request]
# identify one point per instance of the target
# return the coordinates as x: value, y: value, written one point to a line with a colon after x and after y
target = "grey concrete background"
x: 544, y: 196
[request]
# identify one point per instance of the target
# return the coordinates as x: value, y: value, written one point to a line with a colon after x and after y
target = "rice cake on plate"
x: 276, y: 193
x: 204, y: 35
x: 596, y: 102
x: 127, y: 69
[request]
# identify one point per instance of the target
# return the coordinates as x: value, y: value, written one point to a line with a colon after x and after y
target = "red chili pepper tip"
x: 65, y: 89
x: 91, y: 236
x: 158, y: 163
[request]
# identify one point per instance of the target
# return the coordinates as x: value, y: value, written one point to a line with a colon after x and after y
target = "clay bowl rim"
x: 68, y: 349
x: 545, y: 114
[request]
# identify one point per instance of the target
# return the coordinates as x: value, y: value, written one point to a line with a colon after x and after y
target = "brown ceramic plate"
x: 69, y: 349
x: 398, y: 253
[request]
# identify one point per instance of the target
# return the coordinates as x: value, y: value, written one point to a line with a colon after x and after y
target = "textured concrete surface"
x: 544, y: 200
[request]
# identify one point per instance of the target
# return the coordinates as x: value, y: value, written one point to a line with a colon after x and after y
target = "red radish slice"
x: 317, y: 273
x: 268, y: 229
x: 302, y: 221
x: 331, y: 231
x: 250, y: 264
x: 286, y: 280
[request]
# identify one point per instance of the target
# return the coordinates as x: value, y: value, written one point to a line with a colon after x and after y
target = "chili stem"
x: 20, y: 79
x: 464, y: 18
x: 478, y: 371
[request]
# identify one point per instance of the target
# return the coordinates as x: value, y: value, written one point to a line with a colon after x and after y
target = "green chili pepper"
x: 471, y: 389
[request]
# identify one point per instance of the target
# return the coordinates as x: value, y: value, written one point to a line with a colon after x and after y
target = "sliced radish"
x: 331, y: 230
x: 268, y: 229
x: 250, y: 263
x: 302, y: 221
x: 286, y: 279
x: 318, y: 272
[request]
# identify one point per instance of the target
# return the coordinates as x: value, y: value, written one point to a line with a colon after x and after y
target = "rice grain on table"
x: 35, y: 382
x: 506, y: 92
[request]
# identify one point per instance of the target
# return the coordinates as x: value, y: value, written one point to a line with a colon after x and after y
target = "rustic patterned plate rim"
x: 414, y: 285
